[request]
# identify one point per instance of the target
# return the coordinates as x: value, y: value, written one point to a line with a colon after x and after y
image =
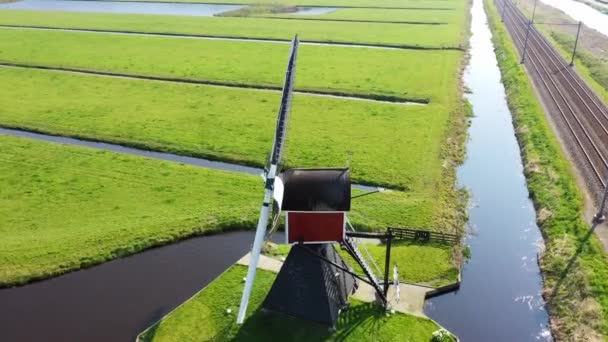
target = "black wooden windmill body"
x: 314, y: 282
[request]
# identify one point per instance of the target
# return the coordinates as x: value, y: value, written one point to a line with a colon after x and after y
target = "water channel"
x: 500, y: 295
x: 164, y: 8
x: 117, y: 300
x: 205, y: 10
x: 582, y: 12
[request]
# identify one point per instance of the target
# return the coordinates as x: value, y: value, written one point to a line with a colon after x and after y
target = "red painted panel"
x: 312, y: 227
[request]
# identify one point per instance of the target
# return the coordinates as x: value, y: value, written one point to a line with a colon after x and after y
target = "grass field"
x: 445, y: 4
x: 72, y: 207
x: 63, y: 208
x: 67, y: 207
x: 201, y: 121
x: 575, y: 268
x: 430, y: 74
x: 454, y: 17
x: 436, y: 36
x: 430, y: 264
x: 204, y: 318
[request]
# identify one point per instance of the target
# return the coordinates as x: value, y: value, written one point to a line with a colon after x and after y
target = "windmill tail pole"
x: 257, y: 244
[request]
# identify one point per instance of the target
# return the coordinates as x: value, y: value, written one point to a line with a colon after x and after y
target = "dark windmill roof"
x: 316, y: 189
x: 310, y: 288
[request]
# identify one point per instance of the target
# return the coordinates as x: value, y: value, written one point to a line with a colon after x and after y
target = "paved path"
x: 411, y: 297
x: 265, y: 263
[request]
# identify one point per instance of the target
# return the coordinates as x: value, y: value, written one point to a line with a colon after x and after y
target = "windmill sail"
x: 275, y: 160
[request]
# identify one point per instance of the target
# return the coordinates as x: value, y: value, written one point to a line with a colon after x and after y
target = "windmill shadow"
x: 265, y: 325
x: 569, y: 267
x: 366, y: 317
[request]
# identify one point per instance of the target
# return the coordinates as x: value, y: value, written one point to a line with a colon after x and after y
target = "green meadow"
x: 398, y: 35
x: 232, y: 124
x: 204, y: 318
x: 441, y: 4
x: 431, y: 264
x: 452, y: 17
x: 65, y: 207
x: 424, y: 75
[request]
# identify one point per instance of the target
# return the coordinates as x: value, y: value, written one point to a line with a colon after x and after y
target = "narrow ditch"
x: 200, y: 162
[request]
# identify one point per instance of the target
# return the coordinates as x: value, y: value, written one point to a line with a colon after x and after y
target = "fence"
x: 424, y: 235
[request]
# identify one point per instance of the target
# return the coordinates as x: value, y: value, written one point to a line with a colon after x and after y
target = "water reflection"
x: 500, y: 296
x: 121, y: 7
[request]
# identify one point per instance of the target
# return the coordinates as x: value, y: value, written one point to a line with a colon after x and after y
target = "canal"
x: 118, y: 299
x: 500, y: 295
x: 134, y: 7
x: 582, y: 12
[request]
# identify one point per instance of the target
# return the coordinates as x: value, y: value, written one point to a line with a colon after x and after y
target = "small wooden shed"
x: 315, y: 202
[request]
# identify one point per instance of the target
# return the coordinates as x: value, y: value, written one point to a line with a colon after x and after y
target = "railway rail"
x: 578, y: 113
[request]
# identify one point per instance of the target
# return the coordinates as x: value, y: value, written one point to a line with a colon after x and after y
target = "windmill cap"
x: 319, y: 189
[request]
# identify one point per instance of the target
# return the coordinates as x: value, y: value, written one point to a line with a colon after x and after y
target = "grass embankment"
x: 204, y: 318
x: 64, y: 207
x: 574, y: 266
x: 398, y: 35
x: 369, y: 72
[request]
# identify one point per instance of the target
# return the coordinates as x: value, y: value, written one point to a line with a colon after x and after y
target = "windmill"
x: 314, y: 282
x: 270, y: 176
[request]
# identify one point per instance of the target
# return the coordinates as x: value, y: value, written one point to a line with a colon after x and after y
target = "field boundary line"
x: 335, y: 94
x: 236, y: 38
x: 346, y: 20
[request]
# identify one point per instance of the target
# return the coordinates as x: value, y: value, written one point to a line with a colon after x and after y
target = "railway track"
x: 579, y: 115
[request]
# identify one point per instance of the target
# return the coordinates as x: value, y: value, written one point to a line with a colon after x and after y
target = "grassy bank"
x: 574, y: 266
x: 232, y: 124
x: 430, y: 74
x: 204, y: 318
x: 64, y: 207
x: 437, y: 36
